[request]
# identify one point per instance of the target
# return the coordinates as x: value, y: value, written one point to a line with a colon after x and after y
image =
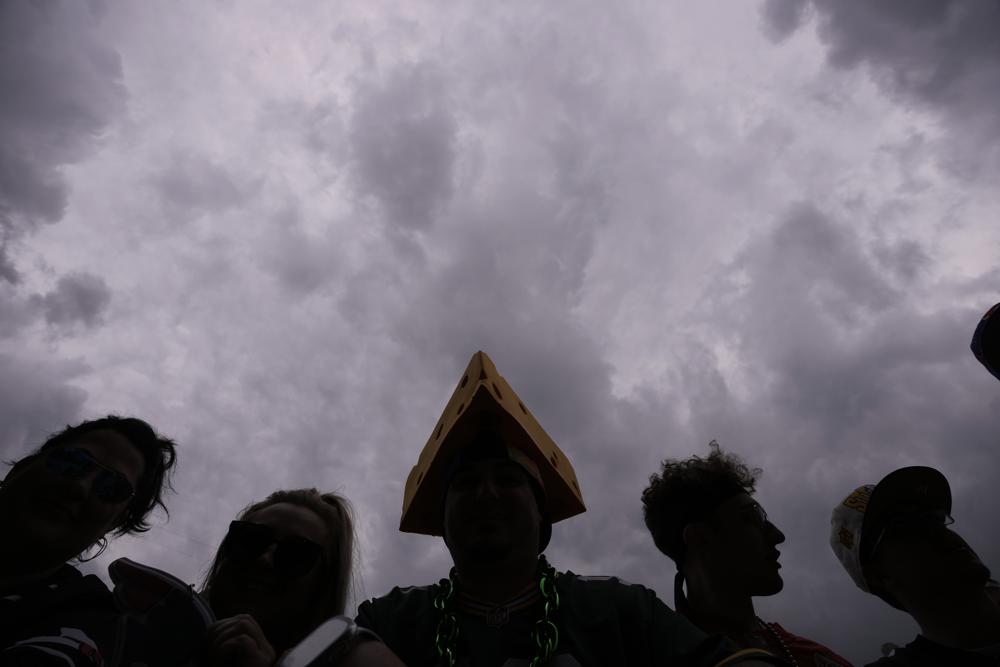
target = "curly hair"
x: 689, y: 490
x: 335, y: 512
x: 158, y: 454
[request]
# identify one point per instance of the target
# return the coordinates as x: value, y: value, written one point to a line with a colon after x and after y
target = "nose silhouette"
x: 80, y: 487
x: 266, y: 558
x: 776, y: 535
x: 487, y: 487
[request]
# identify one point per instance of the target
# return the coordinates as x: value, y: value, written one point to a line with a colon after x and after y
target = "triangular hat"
x: 483, y: 394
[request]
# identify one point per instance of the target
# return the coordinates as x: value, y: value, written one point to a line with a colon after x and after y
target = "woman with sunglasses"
x: 99, y: 478
x: 283, y: 568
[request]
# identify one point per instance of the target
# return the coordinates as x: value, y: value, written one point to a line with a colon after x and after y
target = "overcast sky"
x: 278, y: 231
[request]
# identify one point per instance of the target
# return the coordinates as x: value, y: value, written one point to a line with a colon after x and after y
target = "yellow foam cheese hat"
x: 483, y: 394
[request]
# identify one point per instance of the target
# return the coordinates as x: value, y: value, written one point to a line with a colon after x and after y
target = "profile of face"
x: 918, y: 557
x: 490, y: 512
x: 272, y: 566
x: 741, y: 547
x: 66, y: 498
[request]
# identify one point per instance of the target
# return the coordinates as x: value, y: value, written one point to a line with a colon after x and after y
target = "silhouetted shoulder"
x: 620, y: 623
x: 405, y: 619
x: 923, y: 652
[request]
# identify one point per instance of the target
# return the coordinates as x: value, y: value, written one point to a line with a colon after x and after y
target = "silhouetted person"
x: 96, y: 479
x: 894, y: 541
x: 986, y: 341
x: 702, y: 515
x: 283, y: 568
x: 491, y: 482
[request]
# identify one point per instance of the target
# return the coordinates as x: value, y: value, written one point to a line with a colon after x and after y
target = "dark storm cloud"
x: 403, y: 140
x: 941, y: 53
x: 77, y: 298
x: 60, y: 84
x: 35, y: 400
x: 60, y: 87
x: 8, y: 272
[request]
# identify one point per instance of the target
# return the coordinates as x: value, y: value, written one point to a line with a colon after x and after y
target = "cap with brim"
x: 858, y: 521
x: 483, y: 396
x: 986, y: 341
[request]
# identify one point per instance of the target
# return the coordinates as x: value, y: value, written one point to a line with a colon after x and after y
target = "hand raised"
x: 238, y: 641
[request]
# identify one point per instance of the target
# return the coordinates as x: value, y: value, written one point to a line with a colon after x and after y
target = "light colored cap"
x: 860, y: 518
x: 845, y: 531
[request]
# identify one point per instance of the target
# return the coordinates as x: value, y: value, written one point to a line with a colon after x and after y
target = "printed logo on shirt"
x: 71, y: 643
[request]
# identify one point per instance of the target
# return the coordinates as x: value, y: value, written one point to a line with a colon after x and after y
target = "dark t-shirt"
x: 70, y: 620
x: 602, y: 621
x: 65, y: 619
x: 923, y: 652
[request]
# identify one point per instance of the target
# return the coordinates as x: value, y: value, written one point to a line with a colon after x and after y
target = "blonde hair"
x: 335, y: 512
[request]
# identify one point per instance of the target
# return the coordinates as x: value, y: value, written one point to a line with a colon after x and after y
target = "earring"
x: 103, y: 542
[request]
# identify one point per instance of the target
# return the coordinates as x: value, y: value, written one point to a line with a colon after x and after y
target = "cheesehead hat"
x: 483, y: 396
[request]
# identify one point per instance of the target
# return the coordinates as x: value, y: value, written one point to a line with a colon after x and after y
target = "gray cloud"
x: 77, y: 298
x: 191, y: 183
x: 61, y: 85
x: 403, y: 137
x: 940, y: 54
x: 60, y: 89
x: 36, y: 398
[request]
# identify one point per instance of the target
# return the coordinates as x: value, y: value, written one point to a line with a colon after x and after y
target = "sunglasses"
x: 294, y: 557
x: 109, y: 485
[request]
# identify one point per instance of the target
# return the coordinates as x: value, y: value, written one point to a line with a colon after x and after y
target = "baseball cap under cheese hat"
x: 484, y: 397
x: 858, y: 521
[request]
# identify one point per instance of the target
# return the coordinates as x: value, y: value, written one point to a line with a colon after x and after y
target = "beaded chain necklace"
x: 545, y: 634
x: 778, y: 639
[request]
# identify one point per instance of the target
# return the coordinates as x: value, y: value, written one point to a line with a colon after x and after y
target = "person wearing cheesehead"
x: 894, y: 541
x: 491, y: 482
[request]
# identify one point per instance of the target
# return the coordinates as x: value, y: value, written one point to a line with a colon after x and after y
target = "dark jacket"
x: 602, y: 621
x: 923, y: 652
x: 65, y: 619
x: 151, y: 618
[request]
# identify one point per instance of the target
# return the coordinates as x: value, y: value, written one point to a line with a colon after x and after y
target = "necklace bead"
x: 779, y: 640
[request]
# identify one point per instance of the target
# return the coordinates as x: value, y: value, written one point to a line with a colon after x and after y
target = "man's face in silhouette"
x: 490, y: 512
x: 742, y: 549
x: 64, y: 513
x: 918, y: 557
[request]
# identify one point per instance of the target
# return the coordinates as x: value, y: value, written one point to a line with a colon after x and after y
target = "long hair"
x: 158, y: 455
x: 335, y: 512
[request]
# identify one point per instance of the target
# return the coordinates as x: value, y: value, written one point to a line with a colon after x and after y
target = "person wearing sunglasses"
x: 283, y: 568
x: 89, y: 482
x: 701, y: 514
x: 895, y: 541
